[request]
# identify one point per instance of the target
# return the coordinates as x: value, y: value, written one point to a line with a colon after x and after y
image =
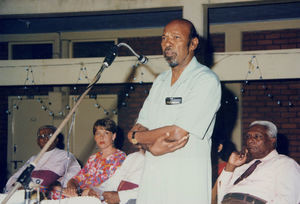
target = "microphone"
x: 142, y: 59
x: 110, y: 57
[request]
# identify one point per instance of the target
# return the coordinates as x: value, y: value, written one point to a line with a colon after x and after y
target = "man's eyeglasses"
x: 45, y: 135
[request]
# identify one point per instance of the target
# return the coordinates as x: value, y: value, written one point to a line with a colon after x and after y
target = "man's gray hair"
x: 50, y: 127
x: 272, y: 129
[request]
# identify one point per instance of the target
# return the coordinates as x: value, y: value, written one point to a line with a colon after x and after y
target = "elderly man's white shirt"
x: 54, y: 160
x: 276, y: 180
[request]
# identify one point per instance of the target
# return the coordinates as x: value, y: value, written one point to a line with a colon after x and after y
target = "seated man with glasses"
x: 54, y: 167
x: 259, y: 174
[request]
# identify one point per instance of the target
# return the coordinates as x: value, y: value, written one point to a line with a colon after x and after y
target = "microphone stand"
x: 25, y: 178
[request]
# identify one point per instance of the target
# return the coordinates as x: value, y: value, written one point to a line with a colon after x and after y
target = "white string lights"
x: 29, y: 76
x: 82, y: 75
x: 29, y: 80
x: 254, y: 66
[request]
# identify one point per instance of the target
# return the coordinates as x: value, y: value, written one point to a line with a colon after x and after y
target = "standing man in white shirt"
x: 274, y: 180
x: 176, y: 122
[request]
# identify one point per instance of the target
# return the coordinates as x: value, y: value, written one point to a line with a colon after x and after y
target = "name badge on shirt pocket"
x: 173, y: 100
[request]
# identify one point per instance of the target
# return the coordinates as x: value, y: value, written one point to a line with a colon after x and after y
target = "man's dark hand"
x: 164, y: 145
x: 111, y: 197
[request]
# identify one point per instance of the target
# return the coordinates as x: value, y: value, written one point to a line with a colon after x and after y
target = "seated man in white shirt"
x: 275, y: 179
x: 52, y: 167
x: 122, y: 187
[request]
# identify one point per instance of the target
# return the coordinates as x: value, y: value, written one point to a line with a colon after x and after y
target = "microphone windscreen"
x: 143, y: 59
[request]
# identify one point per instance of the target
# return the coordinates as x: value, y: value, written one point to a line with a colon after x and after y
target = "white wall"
x: 233, y: 66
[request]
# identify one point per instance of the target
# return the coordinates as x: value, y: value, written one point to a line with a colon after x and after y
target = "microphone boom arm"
x: 141, y: 58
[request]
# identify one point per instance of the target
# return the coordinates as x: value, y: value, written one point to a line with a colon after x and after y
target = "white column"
x: 193, y: 10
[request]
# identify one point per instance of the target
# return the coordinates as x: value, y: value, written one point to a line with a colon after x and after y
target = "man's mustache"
x: 167, y: 49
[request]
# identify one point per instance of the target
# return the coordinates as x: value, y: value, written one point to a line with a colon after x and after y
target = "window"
x: 3, y: 50
x: 32, y: 51
x: 91, y: 48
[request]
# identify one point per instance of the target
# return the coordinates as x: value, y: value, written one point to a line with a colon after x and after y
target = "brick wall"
x: 271, y: 40
x: 257, y: 106
x: 143, y: 45
x: 218, y: 42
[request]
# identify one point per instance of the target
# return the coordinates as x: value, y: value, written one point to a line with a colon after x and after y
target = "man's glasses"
x: 45, y: 135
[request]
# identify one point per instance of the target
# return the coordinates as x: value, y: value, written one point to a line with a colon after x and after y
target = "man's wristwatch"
x: 79, y: 191
x: 133, y: 140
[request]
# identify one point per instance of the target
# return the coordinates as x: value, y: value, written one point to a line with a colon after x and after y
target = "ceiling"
x: 145, y: 18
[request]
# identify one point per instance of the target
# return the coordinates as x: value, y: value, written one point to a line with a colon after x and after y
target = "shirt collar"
x: 190, y: 67
x: 269, y: 156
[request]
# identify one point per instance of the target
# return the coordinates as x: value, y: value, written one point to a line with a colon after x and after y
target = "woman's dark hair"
x: 107, y: 123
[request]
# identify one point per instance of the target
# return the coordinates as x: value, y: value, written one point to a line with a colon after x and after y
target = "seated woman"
x: 51, y: 169
x: 101, y: 165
